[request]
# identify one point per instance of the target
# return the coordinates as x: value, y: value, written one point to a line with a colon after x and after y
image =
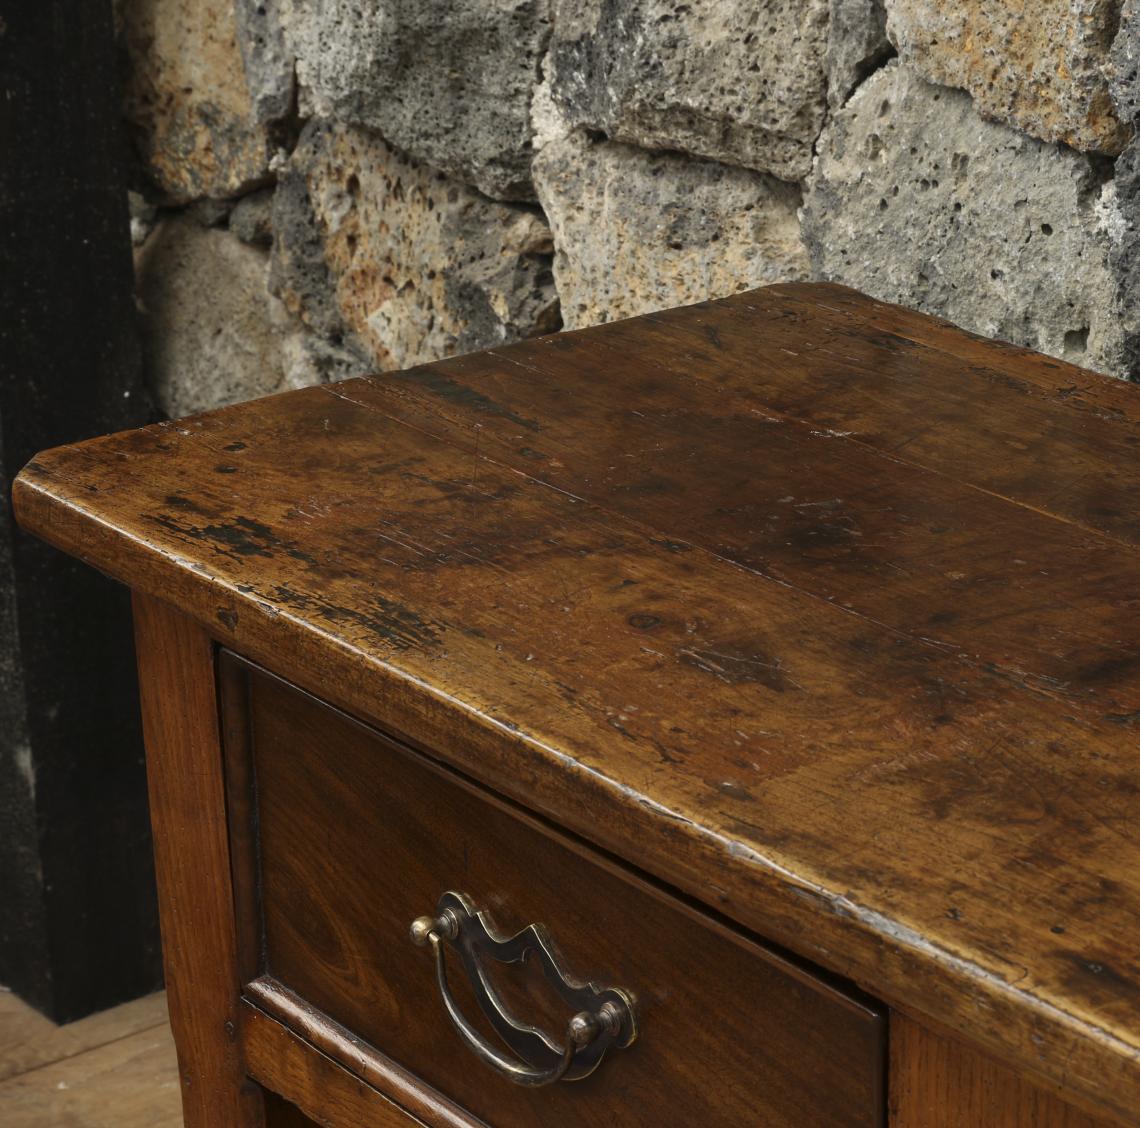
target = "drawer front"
x: 355, y: 836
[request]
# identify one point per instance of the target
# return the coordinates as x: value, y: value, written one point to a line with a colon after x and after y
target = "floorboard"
x: 112, y: 1070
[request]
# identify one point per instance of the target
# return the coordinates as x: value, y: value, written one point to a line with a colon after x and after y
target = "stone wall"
x: 331, y: 186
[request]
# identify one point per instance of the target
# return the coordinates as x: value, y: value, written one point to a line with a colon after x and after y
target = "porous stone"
x: 186, y: 99
x: 1038, y: 64
x: 1123, y: 222
x: 298, y: 274
x: 308, y: 359
x: 1124, y: 63
x: 857, y: 44
x: 915, y: 199
x: 210, y: 213
x: 267, y: 58
x: 739, y: 83
x: 416, y: 265
x: 447, y: 81
x: 252, y: 218
x: 638, y: 231
x: 212, y: 332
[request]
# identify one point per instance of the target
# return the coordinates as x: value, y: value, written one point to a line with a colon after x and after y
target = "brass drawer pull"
x: 604, y: 1016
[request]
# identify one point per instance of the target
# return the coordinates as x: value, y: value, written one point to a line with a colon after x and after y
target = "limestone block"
x: 212, y: 332
x: 1038, y: 64
x: 186, y: 98
x: 638, y: 231
x: 416, y: 265
x: 447, y: 81
x: 739, y: 83
x: 916, y: 199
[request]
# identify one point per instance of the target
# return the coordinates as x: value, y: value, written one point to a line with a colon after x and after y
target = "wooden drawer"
x: 355, y: 835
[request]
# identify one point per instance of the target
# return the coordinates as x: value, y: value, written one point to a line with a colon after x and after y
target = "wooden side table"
x: 726, y: 716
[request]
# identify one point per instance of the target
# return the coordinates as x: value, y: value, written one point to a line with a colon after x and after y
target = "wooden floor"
x: 112, y: 1070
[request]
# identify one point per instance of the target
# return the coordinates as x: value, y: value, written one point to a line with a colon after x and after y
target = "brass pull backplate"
x: 603, y: 1016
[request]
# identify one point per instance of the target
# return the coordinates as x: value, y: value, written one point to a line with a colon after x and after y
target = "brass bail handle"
x: 604, y: 1016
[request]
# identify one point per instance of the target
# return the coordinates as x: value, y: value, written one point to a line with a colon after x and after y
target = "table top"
x: 822, y: 611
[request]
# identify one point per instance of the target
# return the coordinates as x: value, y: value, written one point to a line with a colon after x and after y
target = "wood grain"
x: 28, y: 1040
x: 187, y: 804
x: 306, y: 1087
x: 115, y: 1069
x: 907, y: 548
x: 357, y: 838
x: 280, y: 1026
x: 944, y: 811
x: 1030, y: 428
x: 936, y: 1082
x: 131, y: 1082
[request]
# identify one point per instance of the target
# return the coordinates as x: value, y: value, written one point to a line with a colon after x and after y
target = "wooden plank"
x: 936, y: 1082
x: 842, y: 309
x: 908, y: 548
x: 128, y: 1083
x: 29, y: 1040
x: 187, y: 804
x: 1023, y: 426
x: 959, y: 840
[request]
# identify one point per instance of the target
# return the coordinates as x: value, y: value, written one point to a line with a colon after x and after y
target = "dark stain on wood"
x: 644, y: 621
x: 461, y: 395
x: 178, y: 501
x: 241, y: 537
x: 387, y: 620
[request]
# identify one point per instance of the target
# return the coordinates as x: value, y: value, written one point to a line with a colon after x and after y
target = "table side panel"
x: 938, y: 1082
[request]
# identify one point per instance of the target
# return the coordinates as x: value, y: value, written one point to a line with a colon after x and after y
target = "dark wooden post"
x: 77, y: 915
